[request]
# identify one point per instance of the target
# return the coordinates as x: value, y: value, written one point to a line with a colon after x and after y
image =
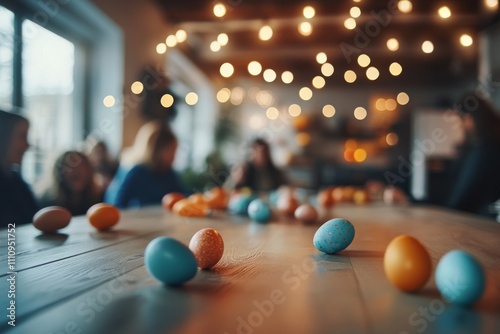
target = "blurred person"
x: 145, y: 174
x: 17, y: 203
x: 71, y: 184
x: 102, y: 162
x: 478, y: 181
x: 259, y: 173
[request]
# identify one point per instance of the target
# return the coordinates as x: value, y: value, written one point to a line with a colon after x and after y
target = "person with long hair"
x: 17, y: 203
x: 145, y: 174
x: 102, y: 163
x: 478, y: 181
x: 259, y: 173
x: 72, y: 184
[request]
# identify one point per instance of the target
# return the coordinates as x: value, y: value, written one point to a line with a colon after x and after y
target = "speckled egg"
x: 51, y: 219
x: 306, y: 214
x: 207, y: 246
x: 170, y: 261
x: 259, y: 211
x: 460, y: 278
x: 334, y: 235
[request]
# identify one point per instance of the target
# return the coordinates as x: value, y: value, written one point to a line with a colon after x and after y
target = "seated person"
x: 259, y: 173
x: 102, y: 163
x: 478, y: 182
x: 71, y: 184
x: 145, y: 174
x: 17, y: 203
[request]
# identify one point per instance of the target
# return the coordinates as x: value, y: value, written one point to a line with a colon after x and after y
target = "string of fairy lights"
x: 305, y: 28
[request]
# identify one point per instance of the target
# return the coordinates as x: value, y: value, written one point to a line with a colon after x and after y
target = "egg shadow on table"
x: 362, y: 253
x: 52, y: 239
x: 328, y: 262
x: 111, y: 234
x: 456, y: 319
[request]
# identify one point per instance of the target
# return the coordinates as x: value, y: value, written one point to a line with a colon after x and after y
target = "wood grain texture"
x: 270, y: 280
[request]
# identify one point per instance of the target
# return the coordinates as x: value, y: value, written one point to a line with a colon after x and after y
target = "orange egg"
x: 361, y: 197
x: 169, y: 200
x: 207, y: 246
x: 325, y: 198
x: 188, y: 208
x: 407, y: 263
x: 217, y: 198
x: 103, y: 216
x: 197, y: 198
x: 287, y: 204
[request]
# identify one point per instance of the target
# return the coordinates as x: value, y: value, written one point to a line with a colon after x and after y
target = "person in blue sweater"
x: 17, y: 203
x: 145, y: 174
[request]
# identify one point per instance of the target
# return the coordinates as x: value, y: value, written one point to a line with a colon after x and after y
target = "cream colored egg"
x: 51, y: 219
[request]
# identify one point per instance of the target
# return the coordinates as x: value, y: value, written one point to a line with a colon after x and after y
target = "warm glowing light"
x: 466, y: 40
x: 392, y: 44
x: 321, y: 58
x: 403, y: 98
x: 390, y: 104
x: 318, y: 82
x: 427, y: 47
x: 191, y: 98
x: 395, y: 69
x: 264, y: 98
x: 219, y: 10
x: 265, y: 33
x: 351, y: 144
x: 254, y: 68
x: 491, y: 4
x: 215, y: 46
x: 355, y: 12
x: 302, y: 139
x: 223, y: 95
x: 391, y: 139
x: 223, y: 39
x: 161, y: 48
x: 360, y: 113
x: 349, y: 155
x: 328, y: 111
x: 237, y: 95
x: 287, y: 77
x: 137, y: 87
x: 294, y: 110
x: 108, y: 101
x: 360, y: 155
x: 181, y: 36
x: 372, y: 73
x: 167, y: 101
x: 305, y: 93
x: 380, y: 104
x: 327, y: 69
x: 171, y: 41
x: 305, y: 28
x: 350, y: 23
x: 269, y: 75
x: 309, y: 12
x: 272, y: 113
x: 444, y: 12
x: 350, y: 76
x: 226, y: 70
x: 364, y: 60
x: 405, y: 6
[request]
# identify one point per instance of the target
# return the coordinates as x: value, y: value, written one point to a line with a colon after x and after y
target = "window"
x: 6, y: 58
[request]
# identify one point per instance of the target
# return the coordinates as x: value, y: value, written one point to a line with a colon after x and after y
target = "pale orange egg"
x: 169, y: 200
x: 51, y: 219
x: 217, y: 198
x: 188, y: 208
x: 306, y: 213
x: 208, y: 247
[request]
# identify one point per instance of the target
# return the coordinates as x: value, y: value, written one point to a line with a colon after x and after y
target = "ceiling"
x: 289, y: 50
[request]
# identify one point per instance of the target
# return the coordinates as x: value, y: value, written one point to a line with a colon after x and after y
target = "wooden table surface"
x: 271, y: 278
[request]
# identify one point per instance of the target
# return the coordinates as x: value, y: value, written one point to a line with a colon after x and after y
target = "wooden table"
x: 271, y: 278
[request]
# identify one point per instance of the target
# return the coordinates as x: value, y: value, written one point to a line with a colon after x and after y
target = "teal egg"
x: 334, y: 235
x: 170, y: 261
x: 259, y: 211
x: 460, y: 278
x: 239, y: 204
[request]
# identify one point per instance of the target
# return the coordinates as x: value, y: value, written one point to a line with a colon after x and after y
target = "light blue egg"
x: 239, y: 205
x: 274, y: 196
x: 460, y: 278
x: 334, y: 235
x: 259, y: 211
x: 170, y: 261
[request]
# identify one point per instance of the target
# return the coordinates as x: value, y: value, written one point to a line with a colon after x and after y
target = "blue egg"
x: 460, y: 278
x: 259, y: 211
x: 334, y: 235
x: 274, y: 197
x: 239, y: 204
x: 170, y: 261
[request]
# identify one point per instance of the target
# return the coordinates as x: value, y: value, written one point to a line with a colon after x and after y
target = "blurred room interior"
x: 345, y: 92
